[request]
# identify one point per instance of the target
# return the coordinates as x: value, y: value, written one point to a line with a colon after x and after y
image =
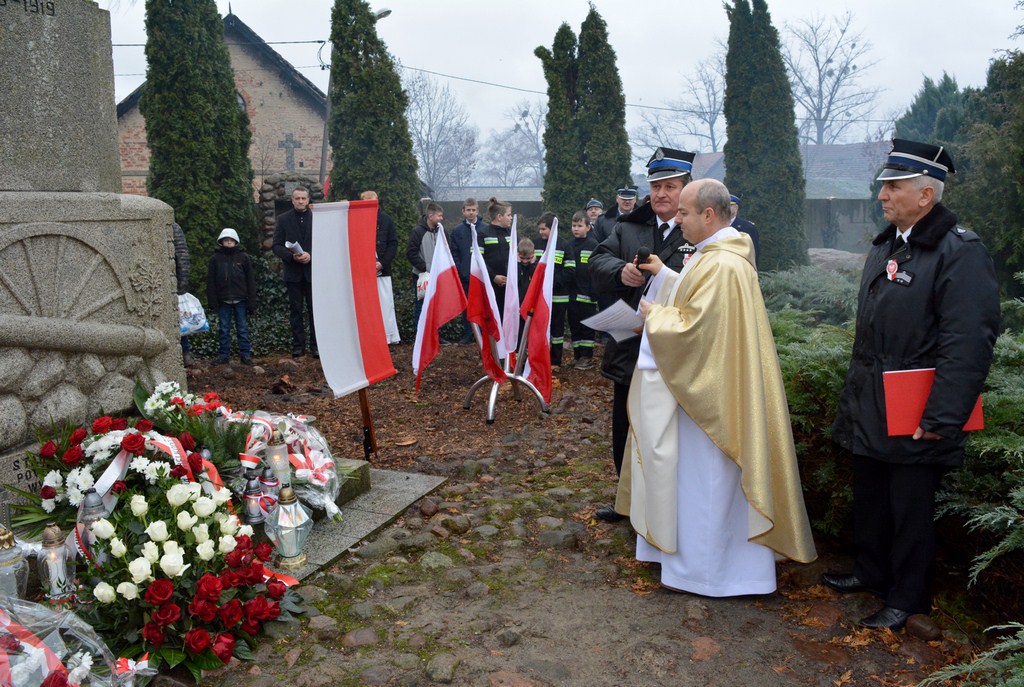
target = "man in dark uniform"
x: 296, y: 227
x: 625, y: 201
x: 747, y: 227
x: 613, y: 271
x: 928, y: 299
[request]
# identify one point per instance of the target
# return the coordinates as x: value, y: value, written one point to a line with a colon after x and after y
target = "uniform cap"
x: 594, y: 203
x: 626, y: 193
x: 910, y: 159
x: 667, y: 163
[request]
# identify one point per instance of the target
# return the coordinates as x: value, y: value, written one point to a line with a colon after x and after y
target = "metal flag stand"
x: 516, y: 376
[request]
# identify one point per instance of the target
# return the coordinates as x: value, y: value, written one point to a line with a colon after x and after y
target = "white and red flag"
x: 538, y: 334
x: 510, y: 308
x: 350, y: 330
x: 443, y: 301
x: 482, y: 310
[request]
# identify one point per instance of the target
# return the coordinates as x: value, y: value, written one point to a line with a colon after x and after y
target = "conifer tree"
x: 586, y: 146
x: 762, y: 153
x: 196, y: 129
x: 369, y: 133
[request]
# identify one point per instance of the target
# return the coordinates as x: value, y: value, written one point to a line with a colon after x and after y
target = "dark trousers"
x: 558, y: 312
x: 620, y: 424
x: 239, y: 313
x: 582, y: 335
x: 467, y: 326
x: 894, y: 530
x: 300, y: 293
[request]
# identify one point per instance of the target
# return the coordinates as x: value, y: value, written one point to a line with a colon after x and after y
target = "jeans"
x: 239, y: 313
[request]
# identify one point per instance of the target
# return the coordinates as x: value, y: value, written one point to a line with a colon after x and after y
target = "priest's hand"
x: 653, y: 265
x: 631, y: 276
x: 645, y: 307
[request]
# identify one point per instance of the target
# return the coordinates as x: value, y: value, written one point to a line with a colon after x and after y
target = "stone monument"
x: 88, y: 299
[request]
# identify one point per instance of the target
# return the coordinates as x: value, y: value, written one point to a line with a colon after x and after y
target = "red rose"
x: 178, y: 471
x: 119, y: 424
x: 244, y: 542
x: 229, y: 579
x: 196, y: 410
x: 255, y: 573
x: 250, y: 627
x: 213, y: 405
x: 235, y: 559
x: 210, y: 396
x: 48, y: 450
x: 144, y: 426
x: 256, y: 608
x: 264, y: 551
x: 203, y: 609
x: 209, y: 587
x: 275, y: 611
x: 47, y: 492
x: 224, y: 646
x: 78, y: 436
x: 166, y: 615
x: 187, y: 441
x: 195, y: 463
x: 276, y: 588
x: 178, y: 401
x: 10, y: 643
x: 153, y: 634
x: 197, y: 640
x: 230, y: 613
x: 119, y: 487
x: 101, y: 425
x: 55, y: 679
x: 134, y: 443
x: 159, y: 592
x: 73, y: 456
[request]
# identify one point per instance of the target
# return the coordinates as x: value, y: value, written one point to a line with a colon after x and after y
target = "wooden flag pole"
x: 369, y: 433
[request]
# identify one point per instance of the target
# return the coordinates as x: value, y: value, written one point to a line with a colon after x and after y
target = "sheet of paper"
x: 294, y: 247
x: 620, y: 320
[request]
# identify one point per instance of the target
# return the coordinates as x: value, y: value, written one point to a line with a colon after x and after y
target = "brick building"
x: 286, y: 114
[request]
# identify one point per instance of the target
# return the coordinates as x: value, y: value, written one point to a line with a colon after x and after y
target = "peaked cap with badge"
x: 667, y: 163
x: 910, y: 159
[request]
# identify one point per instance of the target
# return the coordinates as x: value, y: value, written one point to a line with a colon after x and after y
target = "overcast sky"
x: 657, y: 42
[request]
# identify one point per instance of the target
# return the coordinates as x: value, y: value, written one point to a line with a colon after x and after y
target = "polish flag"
x: 482, y: 310
x: 538, y: 335
x: 443, y: 301
x: 350, y: 330
x: 510, y: 308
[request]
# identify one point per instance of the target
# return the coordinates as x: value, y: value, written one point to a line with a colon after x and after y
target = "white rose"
x: 128, y: 590
x: 201, y: 533
x: 173, y: 564
x: 157, y: 531
x: 205, y: 550
x: 150, y: 552
x: 104, y: 593
x: 139, y: 505
x: 227, y: 544
x: 48, y: 505
x: 229, y: 525
x: 244, y: 531
x: 221, y: 496
x: 141, y: 570
x: 117, y: 548
x: 178, y: 495
x: 195, y: 490
x: 186, y: 520
x: 204, y: 506
x: 103, y: 529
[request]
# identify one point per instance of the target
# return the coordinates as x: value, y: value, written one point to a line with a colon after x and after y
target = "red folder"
x: 906, y: 393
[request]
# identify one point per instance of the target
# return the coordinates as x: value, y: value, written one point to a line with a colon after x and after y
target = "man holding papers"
x: 928, y: 299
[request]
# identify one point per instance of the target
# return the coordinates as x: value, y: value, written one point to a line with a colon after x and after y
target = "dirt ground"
x: 503, y: 577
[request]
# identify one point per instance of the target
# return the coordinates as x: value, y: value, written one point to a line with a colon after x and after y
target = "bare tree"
x: 825, y: 59
x: 443, y: 141
x: 515, y: 156
x: 695, y: 121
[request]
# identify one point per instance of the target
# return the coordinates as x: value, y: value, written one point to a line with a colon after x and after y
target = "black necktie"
x: 898, y: 244
x: 659, y: 236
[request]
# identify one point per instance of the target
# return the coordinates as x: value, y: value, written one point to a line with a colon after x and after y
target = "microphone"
x: 643, y: 254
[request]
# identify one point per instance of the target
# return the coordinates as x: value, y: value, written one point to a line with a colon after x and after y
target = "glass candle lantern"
x: 288, y: 526
x: 90, y: 510
x: 53, y: 566
x: 13, y: 566
x: 270, y: 483
x: 277, y: 458
x: 251, y: 498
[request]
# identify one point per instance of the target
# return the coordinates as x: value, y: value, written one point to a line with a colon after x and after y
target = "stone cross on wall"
x: 289, y: 144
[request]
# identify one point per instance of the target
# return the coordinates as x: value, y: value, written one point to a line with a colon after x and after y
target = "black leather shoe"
x: 315, y: 353
x: 608, y: 514
x: 892, y: 618
x: 844, y: 584
x: 298, y: 352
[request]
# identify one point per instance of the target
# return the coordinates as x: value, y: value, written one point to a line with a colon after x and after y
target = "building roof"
x: 243, y: 35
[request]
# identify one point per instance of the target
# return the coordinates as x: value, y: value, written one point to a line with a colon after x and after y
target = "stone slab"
x: 391, y: 492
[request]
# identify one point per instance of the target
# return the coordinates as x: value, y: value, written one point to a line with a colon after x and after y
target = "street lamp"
x: 377, y: 16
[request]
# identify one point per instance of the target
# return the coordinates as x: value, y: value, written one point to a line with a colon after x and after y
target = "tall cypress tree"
x: 762, y: 153
x: 197, y: 132
x: 586, y: 146
x: 369, y: 132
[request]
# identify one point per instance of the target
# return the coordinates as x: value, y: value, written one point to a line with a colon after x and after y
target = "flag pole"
x: 369, y: 433
x: 515, y: 377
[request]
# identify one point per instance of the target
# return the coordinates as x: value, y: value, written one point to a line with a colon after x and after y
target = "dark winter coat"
x: 602, y: 228
x: 583, y: 248
x: 182, y: 264
x: 294, y: 227
x: 419, y: 255
x: 387, y: 242
x: 564, y: 274
x: 606, y: 263
x: 750, y: 229
x: 230, y: 278
x: 494, y: 243
x: 461, y: 243
x: 941, y: 310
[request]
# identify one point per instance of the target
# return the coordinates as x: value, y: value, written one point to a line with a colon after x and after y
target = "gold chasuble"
x: 716, y: 360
